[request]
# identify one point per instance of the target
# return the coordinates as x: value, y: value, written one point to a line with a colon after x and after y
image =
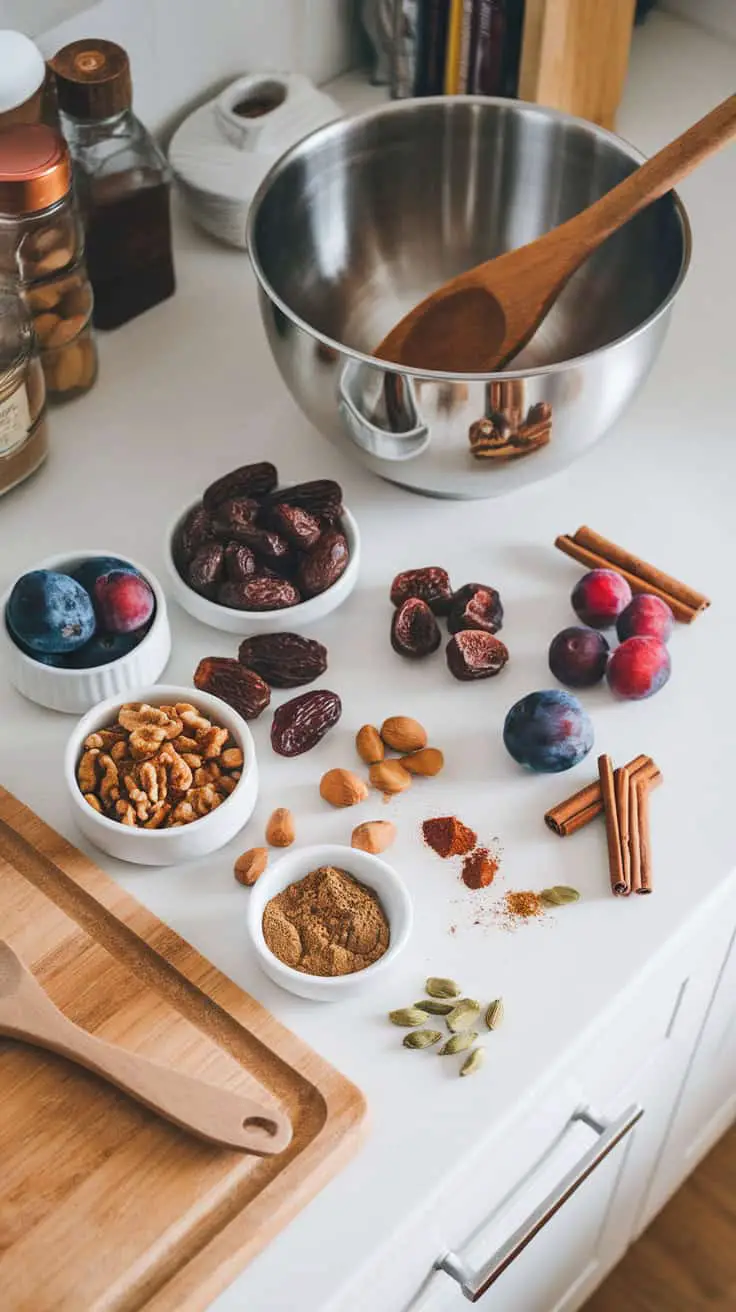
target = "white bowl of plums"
x: 253, y: 556
x: 83, y: 626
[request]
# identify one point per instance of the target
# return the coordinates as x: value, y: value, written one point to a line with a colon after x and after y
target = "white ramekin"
x: 164, y: 847
x: 75, y: 691
x: 370, y: 870
x: 245, y: 622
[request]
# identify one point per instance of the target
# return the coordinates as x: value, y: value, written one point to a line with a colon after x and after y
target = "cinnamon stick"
x: 619, y: 884
x: 649, y: 574
x: 641, y: 789
x: 576, y: 811
x: 621, y: 789
x: 635, y: 836
x: 591, y: 560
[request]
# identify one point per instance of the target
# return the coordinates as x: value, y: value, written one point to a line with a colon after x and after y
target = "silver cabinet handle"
x: 474, y: 1284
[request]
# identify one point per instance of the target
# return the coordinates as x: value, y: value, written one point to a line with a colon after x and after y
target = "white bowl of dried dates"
x: 168, y: 776
x: 252, y: 556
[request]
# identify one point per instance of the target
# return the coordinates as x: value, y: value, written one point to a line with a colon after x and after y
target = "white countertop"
x: 188, y: 391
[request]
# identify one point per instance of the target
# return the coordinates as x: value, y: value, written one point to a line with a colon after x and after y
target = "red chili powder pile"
x: 448, y: 836
x: 479, y: 868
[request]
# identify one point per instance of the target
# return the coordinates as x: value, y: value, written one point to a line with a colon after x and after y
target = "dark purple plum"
x: 578, y: 656
x: 638, y: 668
x: 91, y: 570
x: 103, y: 648
x: 646, y: 616
x: 599, y: 598
x: 548, y: 731
x: 50, y: 613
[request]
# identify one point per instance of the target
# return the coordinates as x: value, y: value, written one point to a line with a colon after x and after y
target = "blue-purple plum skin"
x: 548, y: 731
x: 49, y: 613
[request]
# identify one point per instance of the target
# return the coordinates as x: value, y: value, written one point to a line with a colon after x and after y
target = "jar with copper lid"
x: 42, y: 254
x: 23, y: 433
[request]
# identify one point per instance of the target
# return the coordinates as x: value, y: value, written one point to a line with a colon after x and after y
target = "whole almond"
x: 369, y: 744
x: 389, y: 777
x: 342, y: 788
x: 251, y: 865
x: 403, y: 734
x: 373, y: 836
x: 427, y: 761
x: 280, y: 828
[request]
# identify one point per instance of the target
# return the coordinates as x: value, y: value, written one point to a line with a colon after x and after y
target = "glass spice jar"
x: 41, y: 252
x: 23, y: 431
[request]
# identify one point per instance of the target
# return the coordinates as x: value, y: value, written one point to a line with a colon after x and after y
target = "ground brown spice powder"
x: 448, y: 836
x: 326, y: 924
x: 524, y: 904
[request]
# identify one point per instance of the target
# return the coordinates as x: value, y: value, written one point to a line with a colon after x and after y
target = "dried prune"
x: 473, y: 654
x: 301, y: 723
x: 247, y: 481
x: 322, y: 497
x: 258, y: 593
x: 284, y: 660
x: 242, y: 689
x: 233, y: 516
x: 324, y: 564
x: 299, y: 528
x: 240, y: 563
x: 193, y: 532
x: 431, y: 584
x: 475, y: 606
x: 205, y: 569
x: 414, y: 629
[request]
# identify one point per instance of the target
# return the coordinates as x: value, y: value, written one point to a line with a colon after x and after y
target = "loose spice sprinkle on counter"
x: 524, y: 905
x: 479, y: 868
x: 448, y: 836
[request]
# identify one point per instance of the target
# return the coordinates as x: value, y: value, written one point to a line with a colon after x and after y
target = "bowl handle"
x: 399, y: 403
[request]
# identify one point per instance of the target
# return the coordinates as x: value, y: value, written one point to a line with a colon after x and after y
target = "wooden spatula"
x: 219, y: 1115
x: 478, y: 321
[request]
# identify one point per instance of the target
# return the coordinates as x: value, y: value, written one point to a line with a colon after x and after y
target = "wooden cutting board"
x: 105, y: 1207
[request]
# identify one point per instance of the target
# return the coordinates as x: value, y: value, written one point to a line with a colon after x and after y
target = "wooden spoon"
x: 218, y: 1115
x: 478, y: 321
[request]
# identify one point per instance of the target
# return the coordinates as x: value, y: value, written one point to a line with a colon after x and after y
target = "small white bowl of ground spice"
x: 325, y: 921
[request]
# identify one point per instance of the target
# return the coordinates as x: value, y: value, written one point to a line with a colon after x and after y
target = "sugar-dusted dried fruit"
x: 472, y: 654
x: 233, y: 516
x: 204, y: 570
x: 242, y: 689
x: 414, y: 629
x: 403, y: 734
x: 369, y: 744
x: 297, y: 525
x: 240, y: 562
x: 260, y: 592
x: 195, y: 529
x: 248, y: 481
x: 284, y: 660
x: 475, y: 606
x: 322, y: 497
x: 301, y: 723
x: 431, y: 584
x: 323, y: 565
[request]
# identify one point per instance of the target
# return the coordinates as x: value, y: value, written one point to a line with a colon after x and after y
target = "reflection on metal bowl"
x: 366, y: 216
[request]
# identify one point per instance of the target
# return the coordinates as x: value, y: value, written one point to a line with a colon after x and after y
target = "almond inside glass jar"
x: 23, y: 431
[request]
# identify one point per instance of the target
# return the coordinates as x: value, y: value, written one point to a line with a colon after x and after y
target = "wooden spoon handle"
x: 219, y: 1115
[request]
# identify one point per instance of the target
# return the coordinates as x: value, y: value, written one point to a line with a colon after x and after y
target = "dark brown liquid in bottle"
x: 128, y: 246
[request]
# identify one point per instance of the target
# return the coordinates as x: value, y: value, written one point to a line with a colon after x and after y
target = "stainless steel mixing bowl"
x: 363, y: 218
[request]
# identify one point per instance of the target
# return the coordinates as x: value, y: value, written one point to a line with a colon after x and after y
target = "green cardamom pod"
x: 434, y: 1007
x: 558, y: 896
x: 473, y: 1061
x: 441, y: 988
x: 494, y: 1014
x: 463, y: 1014
x: 407, y: 1016
x: 421, y: 1038
x: 458, y: 1043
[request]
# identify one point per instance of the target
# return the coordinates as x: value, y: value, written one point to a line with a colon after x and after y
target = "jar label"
x: 15, y: 420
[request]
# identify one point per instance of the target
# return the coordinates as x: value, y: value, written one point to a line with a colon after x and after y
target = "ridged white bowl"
x: 245, y: 622
x: 165, y: 847
x: 75, y: 691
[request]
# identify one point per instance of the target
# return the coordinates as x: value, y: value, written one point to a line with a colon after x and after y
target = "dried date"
x: 299, y: 528
x: 260, y: 592
x: 205, y: 569
x: 284, y: 660
x: 414, y: 630
x: 322, y: 497
x: 234, y: 516
x: 301, y: 723
x: 240, y: 563
x: 242, y: 689
x: 193, y: 532
x: 248, y: 481
x: 431, y: 584
x: 324, y: 564
x: 474, y: 654
x: 475, y: 606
